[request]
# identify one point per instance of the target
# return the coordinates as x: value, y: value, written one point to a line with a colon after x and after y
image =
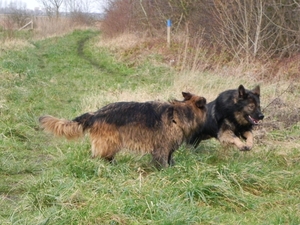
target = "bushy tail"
x: 61, y: 127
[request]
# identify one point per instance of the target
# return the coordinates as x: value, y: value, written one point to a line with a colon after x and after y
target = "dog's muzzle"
x: 261, y: 116
x: 256, y: 121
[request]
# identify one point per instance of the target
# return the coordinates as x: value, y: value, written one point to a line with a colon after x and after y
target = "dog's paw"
x: 245, y: 148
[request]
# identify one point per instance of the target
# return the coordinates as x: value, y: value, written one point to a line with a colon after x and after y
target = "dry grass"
x: 102, y: 97
x: 195, y: 79
x: 46, y: 27
x: 13, y: 44
x: 122, y: 42
x: 204, y: 84
x: 192, y: 55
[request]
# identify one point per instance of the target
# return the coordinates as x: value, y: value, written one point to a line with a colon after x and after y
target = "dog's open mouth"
x: 252, y: 120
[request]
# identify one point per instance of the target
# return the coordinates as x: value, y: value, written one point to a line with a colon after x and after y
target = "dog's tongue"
x: 253, y: 120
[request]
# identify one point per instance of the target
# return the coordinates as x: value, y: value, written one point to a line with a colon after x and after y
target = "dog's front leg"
x: 249, y: 139
x: 228, y: 137
x: 160, y: 158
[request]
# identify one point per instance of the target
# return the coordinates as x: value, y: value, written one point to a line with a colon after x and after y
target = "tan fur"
x: 107, y: 139
x: 239, y: 116
x: 61, y: 127
x: 226, y: 136
x: 249, y: 139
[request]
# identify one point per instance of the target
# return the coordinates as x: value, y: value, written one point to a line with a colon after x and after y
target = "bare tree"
x: 75, y: 6
x: 102, y: 5
x: 78, y: 10
x: 52, y: 6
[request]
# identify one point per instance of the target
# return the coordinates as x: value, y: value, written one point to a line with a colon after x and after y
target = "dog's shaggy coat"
x: 152, y: 127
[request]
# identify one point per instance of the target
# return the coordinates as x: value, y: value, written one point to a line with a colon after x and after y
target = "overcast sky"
x: 31, y: 4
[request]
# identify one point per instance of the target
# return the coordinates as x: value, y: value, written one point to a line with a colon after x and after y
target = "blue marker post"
x: 169, y: 24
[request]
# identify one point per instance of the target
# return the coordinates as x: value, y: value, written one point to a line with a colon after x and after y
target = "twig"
x: 278, y: 96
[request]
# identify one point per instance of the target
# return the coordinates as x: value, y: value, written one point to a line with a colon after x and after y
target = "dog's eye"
x: 251, y: 107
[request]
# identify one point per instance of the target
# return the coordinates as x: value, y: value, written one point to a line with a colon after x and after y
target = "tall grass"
x: 44, y: 180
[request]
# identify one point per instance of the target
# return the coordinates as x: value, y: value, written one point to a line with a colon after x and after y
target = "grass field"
x: 44, y: 180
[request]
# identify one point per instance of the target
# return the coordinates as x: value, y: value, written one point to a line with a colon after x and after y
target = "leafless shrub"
x: 118, y: 17
x: 246, y: 30
x: 17, y: 15
x: 257, y: 29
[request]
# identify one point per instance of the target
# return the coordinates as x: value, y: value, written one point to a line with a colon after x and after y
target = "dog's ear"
x: 186, y: 95
x: 256, y: 90
x: 201, y: 103
x: 242, y: 91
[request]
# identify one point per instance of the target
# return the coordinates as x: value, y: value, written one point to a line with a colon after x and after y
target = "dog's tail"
x: 70, y: 129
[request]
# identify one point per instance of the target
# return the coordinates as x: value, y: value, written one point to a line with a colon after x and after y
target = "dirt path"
x: 80, y: 51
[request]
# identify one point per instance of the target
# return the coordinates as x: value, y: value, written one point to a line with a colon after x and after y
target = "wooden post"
x: 32, y: 23
x: 29, y: 23
x: 169, y: 24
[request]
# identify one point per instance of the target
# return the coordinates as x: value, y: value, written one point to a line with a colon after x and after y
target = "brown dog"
x: 152, y: 127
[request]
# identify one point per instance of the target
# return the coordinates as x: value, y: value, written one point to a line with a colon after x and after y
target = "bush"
x: 244, y: 29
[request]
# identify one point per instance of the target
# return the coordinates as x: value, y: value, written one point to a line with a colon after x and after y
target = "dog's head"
x: 197, y: 105
x: 248, y: 103
x: 198, y: 101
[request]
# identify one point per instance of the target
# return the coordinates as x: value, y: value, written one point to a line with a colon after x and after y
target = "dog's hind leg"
x: 101, y: 148
x: 105, y: 144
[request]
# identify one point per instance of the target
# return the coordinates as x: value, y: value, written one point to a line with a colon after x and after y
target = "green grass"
x: 44, y: 180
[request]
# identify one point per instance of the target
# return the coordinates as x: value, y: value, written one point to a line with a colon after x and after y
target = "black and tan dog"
x: 152, y: 127
x: 230, y: 117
